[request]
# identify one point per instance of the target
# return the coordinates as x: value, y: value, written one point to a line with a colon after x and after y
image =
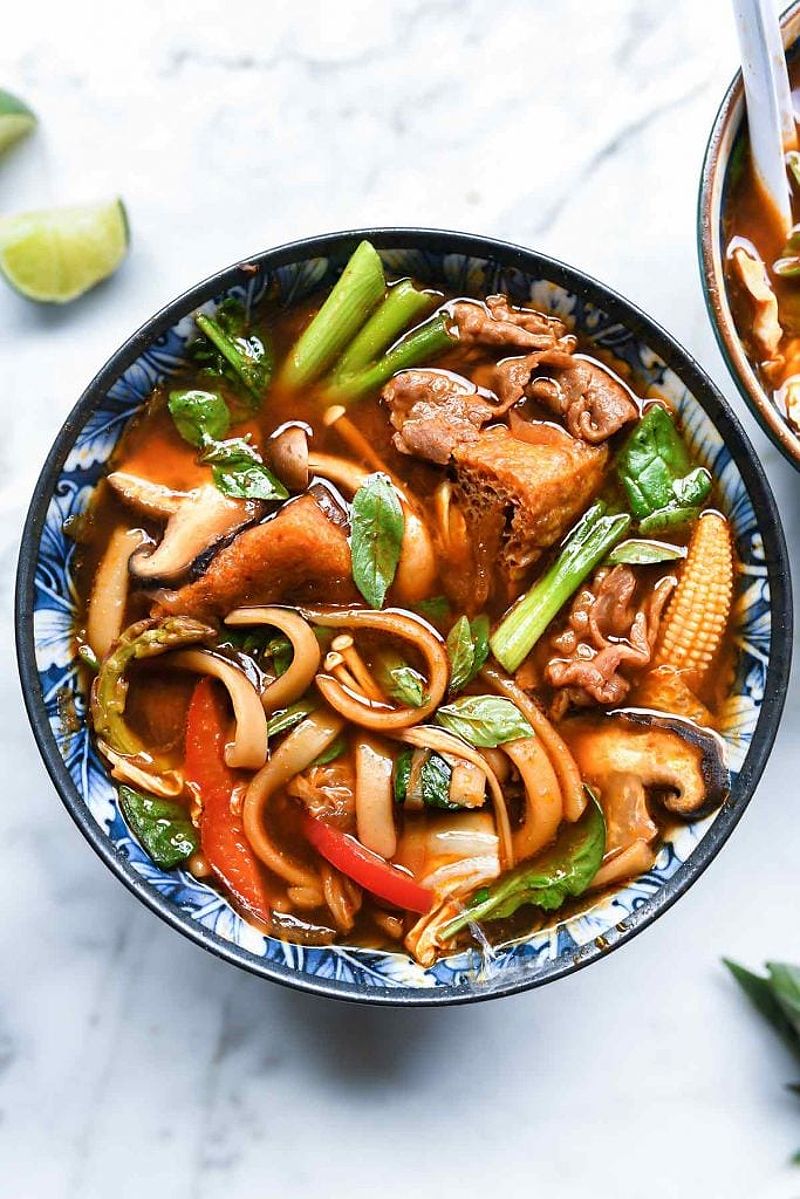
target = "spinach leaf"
x: 163, y: 827
x: 638, y: 552
x: 376, y: 537
x: 655, y: 469
x: 671, y: 517
x: 199, y: 416
x: 484, y: 720
x: 468, y: 649
x: 228, y: 351
x: 434, y: 782
x: 287, y: 718
x: 430, y: 785
x: 401, y: 681
x: 239, y: 471
x: 560, y: 872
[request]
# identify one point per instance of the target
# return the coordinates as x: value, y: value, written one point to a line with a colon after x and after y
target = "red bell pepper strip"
x: 222, y: 838
x: 366, y: 868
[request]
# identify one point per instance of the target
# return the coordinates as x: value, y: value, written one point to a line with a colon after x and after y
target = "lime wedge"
x: 59, y: 254
x: 16, y: 120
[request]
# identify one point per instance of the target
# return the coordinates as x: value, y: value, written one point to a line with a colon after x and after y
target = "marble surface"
x: 133, y: 1063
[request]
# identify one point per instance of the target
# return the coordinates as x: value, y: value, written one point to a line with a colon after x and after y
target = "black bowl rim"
x: 730, y: 346
x: 508, y: 256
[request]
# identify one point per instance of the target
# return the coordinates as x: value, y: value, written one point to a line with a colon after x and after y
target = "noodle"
x: 289, y: 686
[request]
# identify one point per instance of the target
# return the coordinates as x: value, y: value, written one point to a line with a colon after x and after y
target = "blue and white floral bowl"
x: 46, y: 614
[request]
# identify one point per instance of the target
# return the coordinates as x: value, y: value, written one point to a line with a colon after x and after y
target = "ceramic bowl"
x: 466, y: 265
x: 724, y: 143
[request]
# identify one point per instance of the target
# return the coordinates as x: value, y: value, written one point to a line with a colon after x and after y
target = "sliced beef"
x: 496, y: 323
x: 605, y: 634
x: 533, y: 491
x: 301, y: 553
x: 435, y: 410
x: 595, y: 405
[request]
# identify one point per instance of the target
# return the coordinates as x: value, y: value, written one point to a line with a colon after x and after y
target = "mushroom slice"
x: 196, y: 520
x: 680, y: 763
x: 106, y: 609
x: 151, y: 499
x: 288, y: 454
x: 751, y: 272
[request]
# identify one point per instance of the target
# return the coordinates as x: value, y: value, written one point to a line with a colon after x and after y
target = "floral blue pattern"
x: 55, y: 613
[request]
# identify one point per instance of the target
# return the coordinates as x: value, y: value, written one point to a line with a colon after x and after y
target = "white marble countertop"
x: 131, y: 1062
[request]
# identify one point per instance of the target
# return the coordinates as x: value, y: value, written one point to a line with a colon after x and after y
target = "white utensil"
x: 770, y: 117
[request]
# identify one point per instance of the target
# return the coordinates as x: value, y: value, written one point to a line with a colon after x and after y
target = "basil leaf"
x: 163, y: 828
x: 402, y: 773
x: 401, y: 681
x: 287, y: 718
x: 484, y: 720
x: 562, y: 871
x: 435, y: 609
x: 461, y: 652
x: 480, y: 640
x: 334, y: 751
x: 468, y: 649
x: 638, y: 552
x: 376, y: 537
x: 239, y: 471
x: 199, y: 415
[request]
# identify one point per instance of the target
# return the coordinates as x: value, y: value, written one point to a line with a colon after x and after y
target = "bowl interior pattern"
x: 199, y: 909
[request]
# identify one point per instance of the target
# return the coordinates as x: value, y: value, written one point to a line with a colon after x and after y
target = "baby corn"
x: 694, y: 623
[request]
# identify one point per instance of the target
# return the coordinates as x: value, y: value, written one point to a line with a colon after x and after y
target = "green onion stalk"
x: 591, y: 539
x: 403, y: 306
x: 357, y: 292
x: 418, y: 346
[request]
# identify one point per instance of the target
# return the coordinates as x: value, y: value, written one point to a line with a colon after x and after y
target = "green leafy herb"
x: 230, y: 351
x: 468, y: 649
x: 402, y: 773
x: 664, y: 519
x: 199, y: 416
x: 593, y: 536
x: 287, y: 718
x: 484, y: 720
x: 376, y: 538
x: 163, y: 827
x: 399, y: 680
x: 239, y: 471
x: 434, y: 782
x: 655, y: 469
x: 428, y: 785
x: 776, y: 995
x: 561, y: 872
x: 436, y: 609
x: 637, y: 552
x: 792, y: 162
x: 334, y: 751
